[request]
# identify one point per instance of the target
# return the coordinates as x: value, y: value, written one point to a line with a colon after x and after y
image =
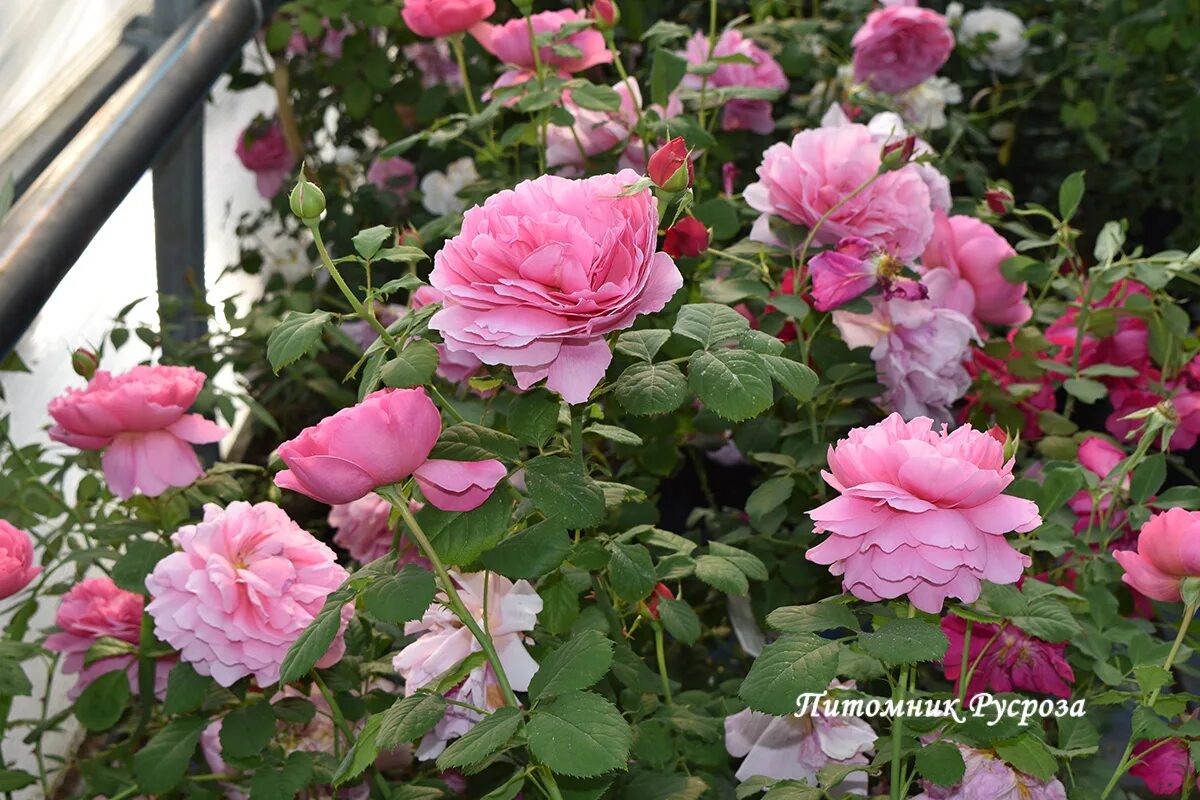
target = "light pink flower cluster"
x: 361, y: 528
x: 444, y: 642
x: 1168, y: 552
x: 963, y: 260
x: 763, y: 72
x: 921, y: 513
x: 381, y: 441
x: 245, y: 584
x: 263, y: 149
x: 899, y: 47
x: 798, y: 747
x: 988, y: 776
x: 1008, y: 660
x: 93, y: 609
x: 541, y: 273
x: 511, y: 43
x: 140, y: 421
x: 17, y: 569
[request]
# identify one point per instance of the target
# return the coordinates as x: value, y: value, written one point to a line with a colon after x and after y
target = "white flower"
x: 924, y: 106
x: 440, y: 189
x: 1003, y: 52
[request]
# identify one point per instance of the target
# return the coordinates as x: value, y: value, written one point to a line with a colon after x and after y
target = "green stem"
x: 962, y: 670
x: 550, y: 784
x: 662, y: 661
x: 351, y: 298
x: 901, y: 693
x: 577, y: 431
x: 456, y: 44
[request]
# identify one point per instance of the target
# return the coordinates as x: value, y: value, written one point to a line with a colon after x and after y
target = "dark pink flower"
x: 17, y: 569
x: 1163, y: 764
x: 899, y: 47
x: 437, y: 18
x: 511, y: 43
x: 395, y: 175
x: 263, y: 149
x: 1007, y: 660
x: 687, y: 238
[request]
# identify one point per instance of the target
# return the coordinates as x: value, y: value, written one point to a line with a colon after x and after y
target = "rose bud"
x: 896, y: 154
x: 307, y: 200
x: 660, y: 590
x: 999, y: 200
x: 85, y: 363
x: 670, y: 167
x: 687, y: 238
x: 606, y: 13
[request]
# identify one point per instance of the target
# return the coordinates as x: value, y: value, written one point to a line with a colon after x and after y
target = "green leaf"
x: 186, y: 689
x: 941, y: 763
x: 734, y: 384
x: 460, y: 537
x: 563, y: 491
x: 748, y: 563
x: 315, y: 640
x: 595, y: 98
x: 130, y: 571
x: 642, y: 345
x: 363, y: 754
x: 680, y: 620
x: 246, y: 731
x: 1086, y: 389
x: 13, y: 680
x: 1048, y: 619
x: 710, y: 324
x: 488, y: 737
x: 404, y: 254
x: 796, y: 378
x: 283, y: 783
x: 467, y: 441
x: 648, y: 389
x: 160, y: 764
x: 410, y: 718
x: 812, y: 618
x: 905, y: 641
x: 414, y: 366
x: 1077, y: 736
x: 367, y: 243
x: 576, y: 664
x: 720, y: 573
x: 103, y: 702
x: 295, y: 336
x: 615, y: 434
x: 13, y: 779
x: 1069, y: 195
x: 663, y: 786
x: 768, y: 496
x: 632, y: 572
x: 533, y: 417
x: 530, y: 553
x: 1028, y: 754
x: 1148, y: 478
x: 665, y: 75
x: 580, y: 734
x: 400, y: 597
x: 793, y: 665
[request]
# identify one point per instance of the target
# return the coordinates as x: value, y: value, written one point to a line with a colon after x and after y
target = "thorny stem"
x: 662, y: 661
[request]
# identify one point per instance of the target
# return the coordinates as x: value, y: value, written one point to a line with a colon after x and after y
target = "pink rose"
x: 1126, y: 346
x: 971, y: 251
x: 17, y: 569
x: 1008, y: 660
x: 264, y: 151
x: 1164, y: 764
x: 541, y: 273
x: 803, y: 180
x: 899, y: 47
x: 140, y: 421
x: 763, y: 72
x: 598, y: 132
x: 246, y: 583
x: 434, y: 19
x: 362, y: 530
x: 920, y: 513
x: 383, y: 440
x: 1100, y: 457
x: 1129, y: 397
x: 395, y: 175
x: 1168, y: 552
x: 512, y: 44
x: 988, y: 776
x: 92, y: 609
x: 454, y: 366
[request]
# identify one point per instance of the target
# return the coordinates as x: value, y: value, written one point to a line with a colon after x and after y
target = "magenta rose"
x: 263, y: 149
x: 512, y: 44
x: 395, y: 175
x: 899, y: 47
x: 804, y: 180
x: 971, y: 252
x: 140, y: 421
x: 541, y: 273
x: 763, y: 72
x: 17, y: 569
x: 434, y: 19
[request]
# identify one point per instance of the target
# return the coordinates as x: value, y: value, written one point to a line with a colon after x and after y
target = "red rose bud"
x: 999, y: 200
x: 896, y: 154
x: 606, y: 13
x: 687, y: 238
x: 660, y: 590
x: 998, y: 433
x: 85, y: 363
x: 670, y: 167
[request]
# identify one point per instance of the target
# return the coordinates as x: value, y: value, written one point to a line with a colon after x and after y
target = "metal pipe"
x: 50, y: 226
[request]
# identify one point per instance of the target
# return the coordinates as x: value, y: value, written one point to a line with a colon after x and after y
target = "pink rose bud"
x: 606, y: 13
x: 999, y: 200
x: 435, y: 19
x: 687, y: 238
x: 1168, y: 553
x: 16, y: 560
x: 84, y: 362
x: 897, y: 154
x: 660, y: 591
x: 670, y: 167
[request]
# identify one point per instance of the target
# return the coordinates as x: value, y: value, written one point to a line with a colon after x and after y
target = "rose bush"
x: 664, y: 364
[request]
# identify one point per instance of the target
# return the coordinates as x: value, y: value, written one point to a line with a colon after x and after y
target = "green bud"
x: 307, y: 200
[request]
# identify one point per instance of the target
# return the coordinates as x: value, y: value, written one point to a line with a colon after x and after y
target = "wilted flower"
x: 435, y: 62
x: 987, y: 777
x: 439, y: 190
x: 1008, y: 660
x: 395, y: 175
x: 924, y: 106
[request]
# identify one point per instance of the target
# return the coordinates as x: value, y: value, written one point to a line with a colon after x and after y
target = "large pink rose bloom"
x: 434, y: 19
x: 971, y: 252
x: 1008, y: 660
x: 95, y: 608
x: 16, y: 559
x: 246, y: 583
x: 1168, y: 552
x: 140, y: 421
x: 763, y: 72
x: 920, y: 512
x: 804, y: 180
x: 899, y: 47
x: 455, y: 366
x: 263, y: 149
x: 541, y: 273
x: 512, y: 44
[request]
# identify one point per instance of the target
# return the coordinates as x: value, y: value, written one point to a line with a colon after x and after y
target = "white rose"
x: 924, y: 106
x: 1003, y: 53
x: 440, y: 189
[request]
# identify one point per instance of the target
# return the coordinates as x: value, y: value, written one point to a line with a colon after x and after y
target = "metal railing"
x: 153, y: 121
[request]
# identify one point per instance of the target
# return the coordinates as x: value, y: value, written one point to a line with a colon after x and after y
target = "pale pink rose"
x: 1168, y: 552
x: 245, y: 584
x: 455, y: 366
x: 395, y: 175
x: 92, y: 609
x: 899, y: 47
x: 921, y: 513
x: 598, y: 132
x: 804, y: 180
x: 362, y: 530
x: 434, y: 19
x: 1164, y: 764
x: 763, y: 73
x: 971, y: 251
x: 17, y: 569
x: 798, y: 747
x: 1008, y: 660
x: 435, y: 62
x: 263, y: 149
x: 987, y: 777
x: 512, y: 44
x: 444, y: 642
x: 541, y: 273
x: 140, y: 421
